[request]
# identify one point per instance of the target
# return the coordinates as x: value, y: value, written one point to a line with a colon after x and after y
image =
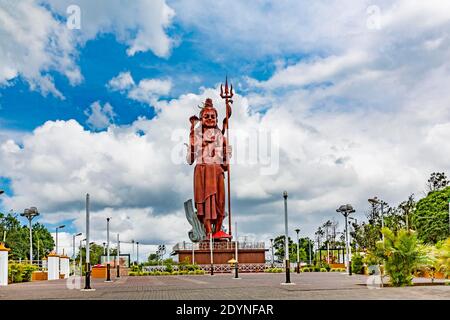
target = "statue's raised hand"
x: 194, y: 120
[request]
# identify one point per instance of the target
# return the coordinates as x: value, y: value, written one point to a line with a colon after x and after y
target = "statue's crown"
x: 207, y: 105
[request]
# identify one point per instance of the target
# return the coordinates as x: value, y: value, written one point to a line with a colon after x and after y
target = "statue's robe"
x: 208, y: 150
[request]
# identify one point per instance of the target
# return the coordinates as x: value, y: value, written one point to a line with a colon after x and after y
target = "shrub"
x: 20, y: 272
x: 191, y: 272
x: 175, y: 273
x: 323, y: 270
x: 402, y: 255
x: 443, y: 257
x: 132, y: 274
x: 305, y: 269
x: 165, y: 273
x: 199, y: 271
x: 316, y: 269
x: 169, y: 268
x: 357, y: 263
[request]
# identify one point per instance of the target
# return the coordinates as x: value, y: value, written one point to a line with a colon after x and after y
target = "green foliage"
x: 20, y: 272
x: 96, y: 251
x: 357, y: 263
x: 323, y: 270
x: 430, y: 219
x: 402, y: 254
x: 18, y: 238
x: 274, y: 270
x: 443, y: 257
x: 303, y: 250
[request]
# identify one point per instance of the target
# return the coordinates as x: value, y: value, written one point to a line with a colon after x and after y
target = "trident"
x: 227, y: 95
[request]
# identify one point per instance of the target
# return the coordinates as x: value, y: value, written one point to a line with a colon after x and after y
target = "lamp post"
x: 87, y: 286
x: 30, y: 214
x: 118, y: 257
x: 236, y: 245
x: 108, y: 264
x: 271, y: 246
x: 73, y: 250
x: 57, y: 228
x: 132, y: 251
x: 286, y: 242
x: 211, y: 253
x: 137, y: 252
x: 298, y: 255
x: 310, y: 248
x: 375, y: 200
x: 346, y: 209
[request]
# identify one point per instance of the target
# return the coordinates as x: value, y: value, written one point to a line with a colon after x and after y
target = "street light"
x: 108, y: 265
x: 286, y: 243
x: 57, y: 228
x: 73, y: 251
x: 346, y: 209
x: 271, y: 245
x: 137, y: 252
x: 298, y: 256
x: 310, y: 248
x: 87, y: 283
x: 118, y: 257
x: 30, y: 214
x: 376, y: 201
x: 132, y: 251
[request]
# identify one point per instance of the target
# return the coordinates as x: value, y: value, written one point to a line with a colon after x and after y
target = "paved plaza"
x: 320, y: 286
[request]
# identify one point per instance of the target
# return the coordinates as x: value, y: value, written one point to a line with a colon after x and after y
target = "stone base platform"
x: 224, y: 251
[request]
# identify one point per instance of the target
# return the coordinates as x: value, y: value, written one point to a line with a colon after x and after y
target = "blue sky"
x: 358, y: 106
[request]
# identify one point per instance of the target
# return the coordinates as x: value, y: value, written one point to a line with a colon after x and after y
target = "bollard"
x: 108, y: 273
x: 3, y: 265
x: 53, y: 266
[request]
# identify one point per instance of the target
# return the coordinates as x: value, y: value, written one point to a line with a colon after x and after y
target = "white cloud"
x: 35, y: 40
x: 140, y: 24
x: 147, y: 90
x: 100, y: 117
x: 32, y: 43
x: 123, y: 81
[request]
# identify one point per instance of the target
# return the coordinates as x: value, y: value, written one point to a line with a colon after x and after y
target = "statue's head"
x: 208, y: 114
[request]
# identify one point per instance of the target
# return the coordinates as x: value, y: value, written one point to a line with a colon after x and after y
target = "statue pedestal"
x: 251, y: 256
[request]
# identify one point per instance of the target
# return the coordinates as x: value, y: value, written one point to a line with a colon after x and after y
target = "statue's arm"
x: 225, y: 121
x: 190, y: 156
x: 226, y: 154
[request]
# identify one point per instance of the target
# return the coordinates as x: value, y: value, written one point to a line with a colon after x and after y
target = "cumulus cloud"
x: 35, y: 39
x: 33, y: 43
x: 147, y: 90
x: 99, y: 117
x: 140, y: 24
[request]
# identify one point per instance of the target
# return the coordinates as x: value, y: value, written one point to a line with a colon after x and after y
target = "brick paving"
x: 318, y: 286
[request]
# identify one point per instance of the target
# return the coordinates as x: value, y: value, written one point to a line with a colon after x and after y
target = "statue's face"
x: 209, y: 119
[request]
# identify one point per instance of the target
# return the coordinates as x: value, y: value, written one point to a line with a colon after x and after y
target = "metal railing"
x: 242, y: 245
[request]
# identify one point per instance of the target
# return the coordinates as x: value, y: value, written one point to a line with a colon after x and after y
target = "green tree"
x: 18, y: 238
x: 95, y: 252
x: 437, y: 181
x: 402, y: 254
x: 430, y: 217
